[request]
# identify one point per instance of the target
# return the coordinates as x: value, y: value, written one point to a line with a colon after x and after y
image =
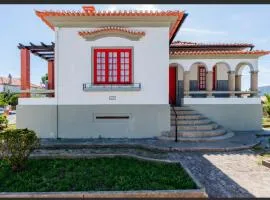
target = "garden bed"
x: 98, y: 174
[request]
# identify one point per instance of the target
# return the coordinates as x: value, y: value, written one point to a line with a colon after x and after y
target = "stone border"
x: 189, y: 193
x: 266, y: 163
x: 148, y: 147
x: 109, y: 194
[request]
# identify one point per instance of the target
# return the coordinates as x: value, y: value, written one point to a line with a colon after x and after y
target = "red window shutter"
x: 112, y: 66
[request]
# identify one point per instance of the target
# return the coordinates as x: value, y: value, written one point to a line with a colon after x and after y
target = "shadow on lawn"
x: 217, y: 184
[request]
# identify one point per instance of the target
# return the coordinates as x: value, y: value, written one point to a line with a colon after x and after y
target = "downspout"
x: 57, y: 80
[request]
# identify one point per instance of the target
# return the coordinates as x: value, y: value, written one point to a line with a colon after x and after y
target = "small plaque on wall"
x: 112, y: 97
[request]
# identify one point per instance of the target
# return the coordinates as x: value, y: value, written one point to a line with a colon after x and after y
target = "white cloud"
x: 203, y: 31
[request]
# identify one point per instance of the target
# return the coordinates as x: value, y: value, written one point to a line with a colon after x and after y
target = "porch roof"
x: 210, y: 46
x: 217, y: 52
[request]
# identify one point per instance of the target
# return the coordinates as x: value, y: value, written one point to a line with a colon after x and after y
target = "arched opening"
x: 243, y: 76
x: 220, y: 78
x: 198, y: 78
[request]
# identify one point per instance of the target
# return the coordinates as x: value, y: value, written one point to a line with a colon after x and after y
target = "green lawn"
x: 266, y: 122
x: 99, y: 174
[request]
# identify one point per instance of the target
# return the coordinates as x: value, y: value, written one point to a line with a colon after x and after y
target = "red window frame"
x: 112, y: 66
x: 202, y: 77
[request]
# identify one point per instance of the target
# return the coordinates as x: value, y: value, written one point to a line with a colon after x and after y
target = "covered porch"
x: 213, y: 78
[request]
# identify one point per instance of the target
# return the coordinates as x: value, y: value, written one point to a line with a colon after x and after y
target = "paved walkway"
x: 230, y: 174
x: 241, y: 140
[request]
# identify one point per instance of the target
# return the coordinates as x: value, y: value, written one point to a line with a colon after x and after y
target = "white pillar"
x: 231, y: 83
x: 209, y: 83
x: 186, y: 83
x: 238, y: 82
x: 254, y: 82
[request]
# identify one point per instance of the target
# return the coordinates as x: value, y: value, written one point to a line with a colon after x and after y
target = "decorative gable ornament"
x: 112, y: 32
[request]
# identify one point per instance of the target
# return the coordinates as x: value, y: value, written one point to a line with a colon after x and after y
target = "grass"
x: 266, y: 122
x: 98, y: 174
x: 11, y: 126
x: 262, y: 157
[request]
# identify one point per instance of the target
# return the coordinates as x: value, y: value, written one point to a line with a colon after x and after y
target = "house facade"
x: 12, y: 84
x: 115, y: 74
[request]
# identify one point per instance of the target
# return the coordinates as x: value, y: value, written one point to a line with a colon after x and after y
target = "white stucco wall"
x: 150, y: 67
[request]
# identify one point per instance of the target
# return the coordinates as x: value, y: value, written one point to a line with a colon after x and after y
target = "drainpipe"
x: 57, y: 80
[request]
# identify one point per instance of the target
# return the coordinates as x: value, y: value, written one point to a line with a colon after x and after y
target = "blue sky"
x: 205, y: 23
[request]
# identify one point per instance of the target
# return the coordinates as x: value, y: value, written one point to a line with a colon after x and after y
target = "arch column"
x: 231, y: 83
x: 186, y: 83
x: 209, y: 83
x: 254, y: 82
x: 238, y: 82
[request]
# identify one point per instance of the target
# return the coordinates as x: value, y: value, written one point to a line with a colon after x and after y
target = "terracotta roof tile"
x: 188, y: 53
x: 90, y: 11
x: 14, y: 82
x: 192, y: 44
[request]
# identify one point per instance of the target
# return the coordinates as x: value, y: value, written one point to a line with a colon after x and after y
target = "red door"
x: 172, y: 85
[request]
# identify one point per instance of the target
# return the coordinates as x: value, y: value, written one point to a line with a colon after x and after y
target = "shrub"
x: 13, y: 100
x: 16, y: 146
x: 3, y: 122
x: 266, y: 105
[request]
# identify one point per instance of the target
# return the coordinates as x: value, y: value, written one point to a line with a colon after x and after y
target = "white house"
x: 12, y: 84
x: 115, y: 74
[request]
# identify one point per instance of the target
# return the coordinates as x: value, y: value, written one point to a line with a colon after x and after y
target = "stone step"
x: 200, y: 127
x: 197, y: 116
x: 200, y: 139
x: 190, y: 121
x: 184, y: 112
x: 198, y: 133
x: 181, y: 108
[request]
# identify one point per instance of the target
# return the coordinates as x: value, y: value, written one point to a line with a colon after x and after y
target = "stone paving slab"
x: 230, y: 174
x: 240, y: 140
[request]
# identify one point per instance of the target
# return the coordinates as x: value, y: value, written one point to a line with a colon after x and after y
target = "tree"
x: 3, y: 99
x: 44, y: 78
x: 13, y: 100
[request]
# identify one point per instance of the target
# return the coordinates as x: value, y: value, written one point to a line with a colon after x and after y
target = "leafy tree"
x: 13, y: 100
x: 3, y: 100
x: 44, y: 78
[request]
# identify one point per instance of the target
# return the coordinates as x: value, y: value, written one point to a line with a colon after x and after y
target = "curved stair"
x: 193, y: 126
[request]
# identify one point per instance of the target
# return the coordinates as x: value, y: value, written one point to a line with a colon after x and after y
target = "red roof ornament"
x: 89, y: 9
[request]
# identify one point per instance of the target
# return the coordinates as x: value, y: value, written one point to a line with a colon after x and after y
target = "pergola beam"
x: 44, y: 51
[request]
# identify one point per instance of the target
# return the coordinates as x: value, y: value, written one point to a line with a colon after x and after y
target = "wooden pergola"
x: 44, y: 51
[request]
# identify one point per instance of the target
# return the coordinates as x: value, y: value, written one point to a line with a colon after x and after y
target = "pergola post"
x: 231, y: 83
x: 51, y: 76
x: 25, y: 72
x: 186, y: 83
x: 209, y: 83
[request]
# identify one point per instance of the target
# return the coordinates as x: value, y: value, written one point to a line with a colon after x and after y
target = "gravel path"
x: 231, y: 174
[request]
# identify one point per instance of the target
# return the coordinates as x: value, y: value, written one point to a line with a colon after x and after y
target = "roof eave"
x: 178, y: 27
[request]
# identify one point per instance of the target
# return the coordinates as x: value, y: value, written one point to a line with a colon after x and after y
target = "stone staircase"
x: 193, y: 126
